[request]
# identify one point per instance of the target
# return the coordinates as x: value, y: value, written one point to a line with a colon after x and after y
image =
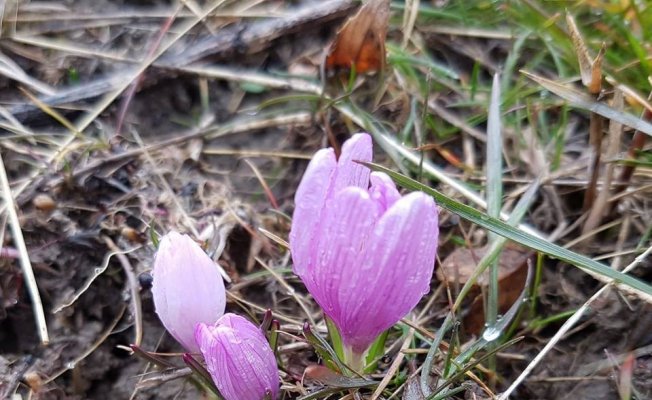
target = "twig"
x: 591, y: 74
x: 252, y: 153
x: 25, y: 263
x: 97, y: 271
x: 638, y: 141
x: 601, y: 206
x: 261, y: 179
x: 11, y: 70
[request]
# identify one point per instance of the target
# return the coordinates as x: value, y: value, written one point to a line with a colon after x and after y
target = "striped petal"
x: 383, y: 190
x: 239, y: 358
x: 394, y: 272
x: 349, y: 172
x: 350, y: 218
x: 187, y: 289
x: 310, y: 199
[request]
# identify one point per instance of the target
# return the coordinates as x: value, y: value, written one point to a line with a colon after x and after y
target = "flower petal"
x: 187, y: 288
x: 239, y: 358
x: 350, y: 218
x: 395, y: 270
x: 310, y: 199
x: 349, y: 172
x: 383, y: 190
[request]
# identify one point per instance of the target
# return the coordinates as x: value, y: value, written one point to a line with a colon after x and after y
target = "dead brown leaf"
x: 458, y: 267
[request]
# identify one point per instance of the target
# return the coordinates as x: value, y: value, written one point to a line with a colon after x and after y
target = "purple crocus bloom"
x: 187, y: 289
x: 364, y: 252
x: 239, y: 358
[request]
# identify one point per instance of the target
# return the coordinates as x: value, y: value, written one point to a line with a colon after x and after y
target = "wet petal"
x: 187, y: 288
x: 394, y: 272
x: 239, y: 358
x: 383, y: 190
x: 349, y: 172
x: 310, y: 199
x: 349, y: 219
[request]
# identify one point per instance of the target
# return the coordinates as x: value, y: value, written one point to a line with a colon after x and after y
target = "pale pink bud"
x: 365, y: 253
x: 187, y: 289
x: 239, y: 358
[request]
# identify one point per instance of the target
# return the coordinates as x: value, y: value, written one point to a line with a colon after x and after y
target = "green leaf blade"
x: 501, y: 228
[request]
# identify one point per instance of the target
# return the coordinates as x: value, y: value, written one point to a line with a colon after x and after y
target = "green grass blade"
x: 426, y: 368
x: 525, y: 239
x: 405, y: 158
x: 494, y: 188
x: 336, y: 339
x: 470, y: 366
x: 375, y: 352
x: 496, y: 247
x: 582, y: 100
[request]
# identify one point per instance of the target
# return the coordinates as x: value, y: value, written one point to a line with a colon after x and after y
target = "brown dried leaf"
x: 361, y: 41
x: 459, y: 266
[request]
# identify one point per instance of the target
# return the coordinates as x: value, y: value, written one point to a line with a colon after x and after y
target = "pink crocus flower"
x: 187, y: 288
x: 239, y: 358
x: 364, y: 252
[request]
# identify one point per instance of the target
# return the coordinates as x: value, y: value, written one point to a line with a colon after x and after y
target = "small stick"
x: 263, y: 183
x: 600, y: 205
x: 25, y: 264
